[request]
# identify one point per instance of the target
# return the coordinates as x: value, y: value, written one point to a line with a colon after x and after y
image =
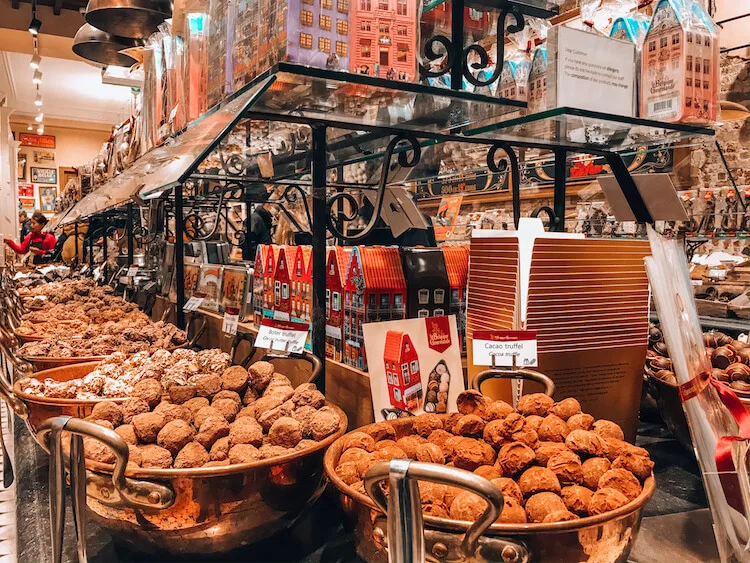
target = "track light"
x: 39, y: 117
x: 37, y: 77
x: 34, y: 26
x: 38, y: 100
x: 35, y: 61
x: 40, y: 129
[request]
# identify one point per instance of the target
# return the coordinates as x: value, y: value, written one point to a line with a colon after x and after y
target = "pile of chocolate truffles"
x: 551, y: 461
x: 730, y: 359
x: 241, y: 416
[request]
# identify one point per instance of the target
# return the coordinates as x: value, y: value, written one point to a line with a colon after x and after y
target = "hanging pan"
x: 100, y: 47
x: 128, y: 18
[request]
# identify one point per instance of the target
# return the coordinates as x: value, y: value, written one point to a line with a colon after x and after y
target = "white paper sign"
x: 504, y: 346
x: 231, y: 319
x: 194, y: 302
x: 717, y: 273
x: 132, y: 271
x: 282, y: 335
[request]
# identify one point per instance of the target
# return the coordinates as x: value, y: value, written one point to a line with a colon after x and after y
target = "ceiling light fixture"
x: 30, y: 127
x: 35, y: 24
x: 35, y: 61
x: 40, y: 129
x: 38, y: 100
x: 37, y: 77
x: 39, y: 117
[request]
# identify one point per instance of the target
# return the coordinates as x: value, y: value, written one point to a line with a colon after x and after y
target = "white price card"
x: 282, y: 335
x: 504, y: 346
x: 194, y: 302
x: 132, y: 271
x: 84, y: 269
x: 231, y: 319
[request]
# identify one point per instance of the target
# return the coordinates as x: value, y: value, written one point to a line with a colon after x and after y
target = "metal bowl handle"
x: 499, y: 373
x: 317, y: 365
x: 198, y: 333
x: 405, y: 525
x: 134, y: 492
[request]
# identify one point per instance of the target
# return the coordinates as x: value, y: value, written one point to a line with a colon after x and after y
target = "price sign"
x: 132, y: 271
x: 85, y: 269
x: 194, y: 302
x: 97, y: 274
x: 149, y: 286
x: 505, y: 346
x: 231, y: 319
x: 282, y: 335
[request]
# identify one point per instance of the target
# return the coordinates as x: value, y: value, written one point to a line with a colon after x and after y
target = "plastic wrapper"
x: 719, y: 425
x: 148, y: 125
x: 216, y: 76
x: 196, y: 64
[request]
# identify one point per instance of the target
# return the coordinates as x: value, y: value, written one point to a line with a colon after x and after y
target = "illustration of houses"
x: 383, y: 38
x: 402, y: 371
x: 375, y: 291
x: 318, y: 33
x: 259, y: 283
x: 336, y: 269
x: 457, y: 267
x: 282, y: 303
x: 427, y: 287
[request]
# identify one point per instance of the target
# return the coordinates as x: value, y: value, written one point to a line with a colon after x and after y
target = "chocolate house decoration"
x: 259, y: 283
x: 301, y: 290
x: 402, y: 371
x: 514, y: 84
x: 336, y: 270
x: 537, y: 91
x: 457, y: 268
x: 269, y: 280
x: 282, y: 302
x: 427, y: 287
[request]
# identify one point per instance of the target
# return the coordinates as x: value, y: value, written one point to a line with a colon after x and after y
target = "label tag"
x: 697, y: 283
x: 97, y: 274
x: 85, y: 269
x: 231, y: 319
x: 717, y: 273
x: 504, y: 345
x: 194, y: 302
x: 132, y: 271
x: 282, y: 335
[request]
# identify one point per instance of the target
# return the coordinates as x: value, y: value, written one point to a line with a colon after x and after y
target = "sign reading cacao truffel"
x: 463, y: 183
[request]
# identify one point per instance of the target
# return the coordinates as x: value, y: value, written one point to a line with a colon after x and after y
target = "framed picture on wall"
x: 47, y: 198
x: 21, y: 174
x: 41, y: 157
x: 27, y: 203
x: 25, y: 190
x: 44, y: 175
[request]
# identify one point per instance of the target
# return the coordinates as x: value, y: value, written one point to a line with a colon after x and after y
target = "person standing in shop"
x: 25, y: 224
x: 259, y: 231
x: 36, y: 241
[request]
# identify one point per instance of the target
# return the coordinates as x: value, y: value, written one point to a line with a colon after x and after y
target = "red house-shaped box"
x: 375, y: 291
x: 336, y: 269
x: 301, y: 276
x: 282, y: 303
x: 457, y: 266
x: 270, y: 255
x: 258, y: 283
x: 402, y: 371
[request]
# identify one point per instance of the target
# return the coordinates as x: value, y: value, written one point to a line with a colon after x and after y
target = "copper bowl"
x: 199, y: 511
x: 606, y: 538
x: 668, y: 403
x: 43, y: 363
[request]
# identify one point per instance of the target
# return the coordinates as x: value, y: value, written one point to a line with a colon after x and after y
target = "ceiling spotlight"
x: 38, y: 100
x: 40, y: 129
x: 34, y: 26
x: 39, y: 117
x: 30, y: 128
x: 37, y: 77
x: 35, y: 61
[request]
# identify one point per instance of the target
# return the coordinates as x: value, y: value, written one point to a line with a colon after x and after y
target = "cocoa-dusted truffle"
x: 355, y: 455
x: 127, y: 433
x: 227, y: 407
x: 469, y: 454
x: 195, y: 404
x: 267, y: 451
x: 180, y: 394
x: 509, y: 488
x: 226, y: 394
x: 134, y: 455
x: 577, y: 499
x: 175, y: 435
x: 325, y: 422
x: 534, y: 403
x: 472, y: 402
x: 449, y: 446
x: 244, y: 453
x: 430, y: 453
x: 286, y: 432
x: 432, y: 492
x: 206, y: 412
x: 605, y: 500
x: 409, y: 445
x: 250, y: 396
x: 538, y: 479
x: 149, y: 390
x: 220, y: 449
x: 541, y: 504
x: 498, y: 409
x: 608, y: 429
x: 358, y: 440
x: 467, y: 506
x: 213, y: 428
x: 439, y: 437
x: 172, y: 412
x: 488, y: 472
x: 192, y: 455
x: 107, y: 410
x: 639, y: 465
x: 435, y: 509
x: 307, y: 394
x: 426, y: 424
x: 534, y: 421
x: 105, y: 423
x: 217, y: 463
x: 234, y: 378
x: 469, y: 425
x: 153, y: 456
x: 260, y: 375
x: 581, y: 421
x: 246, y: 431
x: 284, y: 409
x: 132, y: 407
x: 614, y: 447
x: 147, y: 426
x: 567, y: 466
x: 566, y: 408
x: 348, y: 472
x: 495, y: 433
x: 388, y: 453
x: 96, y: 451
x: 207, y: 384
x: 585, y: 442
x: 621, y: 480
x: 513, y: 512
x: 593, y: 469
x: 304, y: 416
x: 379, y: 431
x: 553, y: 429
x: 545, y: 450
x: 559, y: 516
x: 515, y: 457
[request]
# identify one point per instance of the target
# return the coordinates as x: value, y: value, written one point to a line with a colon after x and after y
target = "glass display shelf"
x: 544, y: 9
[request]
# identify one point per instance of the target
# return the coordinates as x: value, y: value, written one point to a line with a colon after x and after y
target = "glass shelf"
x: 544, y: 9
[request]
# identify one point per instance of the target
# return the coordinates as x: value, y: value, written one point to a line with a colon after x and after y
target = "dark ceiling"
x: 56, y: 5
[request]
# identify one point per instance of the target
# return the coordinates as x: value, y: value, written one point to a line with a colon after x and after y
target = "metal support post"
x: 561, y: 156
x: 318, y: 227
x: 75, y: 234
x: 179, y: 257
x: 457, y: 39
x: 91, y: 246
x: 628, y: 187
x: 247, y: 243
x: 130, y: 233
x: 104, y: 254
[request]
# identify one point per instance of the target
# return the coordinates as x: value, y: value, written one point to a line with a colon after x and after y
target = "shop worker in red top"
x: 35, y: 242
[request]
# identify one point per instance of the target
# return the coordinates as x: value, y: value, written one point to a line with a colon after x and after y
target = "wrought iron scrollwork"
x: 409, y: 154
x: 552, y: 219
x: 500, y: 167
x: 293, y: 194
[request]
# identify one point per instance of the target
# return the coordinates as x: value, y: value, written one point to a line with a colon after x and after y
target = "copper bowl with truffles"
x: 572, y: 490
x: 209, y: 466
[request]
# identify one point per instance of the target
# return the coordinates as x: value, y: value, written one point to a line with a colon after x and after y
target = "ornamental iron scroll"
x: 500, y: 167
x: 408, y: 156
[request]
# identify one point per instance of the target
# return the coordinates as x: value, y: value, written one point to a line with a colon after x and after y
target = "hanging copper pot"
x: 128, y: 18
x: 101, y: 47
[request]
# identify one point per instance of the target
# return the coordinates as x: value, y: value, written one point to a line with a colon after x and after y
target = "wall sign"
x: 47, y: 197
x: 40, y: 141
x: 21, y: 169
x: 25, y: 190
x: 44, y: 175
x: 43, y: 156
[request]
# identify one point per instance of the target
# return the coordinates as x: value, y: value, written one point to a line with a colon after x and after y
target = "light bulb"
x: 34, y: 26
x: 38, y: 100
x: 37, y: 77
x: 40, y: 129
x: 39, y: 117
x: 30, y: 128
x: 35, y: 61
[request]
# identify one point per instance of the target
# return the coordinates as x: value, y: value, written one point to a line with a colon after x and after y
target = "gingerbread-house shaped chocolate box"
x: 457, y: 267
x: 259, y: 283
x: 336, y: 270
x: 537, y: 91
x: 427, y: 287
x: 402, y: 371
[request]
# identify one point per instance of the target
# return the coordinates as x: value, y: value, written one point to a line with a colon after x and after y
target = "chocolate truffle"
x: 244, y: 453
x: 430, y: 453
x: 308, y: 395
x: 513, y: 512
x: 96, y: 451
x: 132, y: 407
x: 348, y: 472
x: 195, y: 404
x: 472, y: 402
x: 534, y: 421
x: 220, y: 449
x: 388, y: 453
x: 175, y: 435
x: 541, y: 504
x: 534, y: 403
x: 105, y: 423
x: 515, y: 457
x: 426, y: 424
x: 134, y: 455
x: 108, y: 410
x: 260, y: 375
x: 553, y: 429
x: 559, y: 516
x: 358, y: 440
x: 227, y: 407
x: 213, y: 428
x: 149, y: 390
x: 285, y: 409
x: 538, y: 479
x: 469, y: 454
x: 234, y: 378
x: 380, y: 431
x: 467, y: 506
x: 147, y: 426
x: 192, y: 455
x: 439, y: 437
x: 153, y: 456
x: 180, y: 394
x: 593, y: 469
x: 217, y: 463
x: 581, y: 421
x: 409, y: 445
x: 127, y: 433
x: 250, y: 396
x: 605, y: 500
x: 204, y: 413
x: 608, y: 429
x: 245, y: 431
x: 621, y: 480
x: 267, y: 451
x: 488, y: 472
x: 229, y: 395
x: 432, y: 492
x: 469, y: 425
x: 577, y: 498
x: 172, y: 412
x: 566, y: 408
x: 545, y: 450
x: 585, y: 442
x: 509, y: 488
x: 498, y: 409
x: 435, y: 509
x: 639, y: 465
x: 286, y: 432
x: 354, y: 455
x: 567, y: 466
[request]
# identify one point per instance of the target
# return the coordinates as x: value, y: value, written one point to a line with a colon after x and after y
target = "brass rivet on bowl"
x: 439, y: 550
x: 509, y: 555
x: 105, y: 492
x: 154, y: 497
